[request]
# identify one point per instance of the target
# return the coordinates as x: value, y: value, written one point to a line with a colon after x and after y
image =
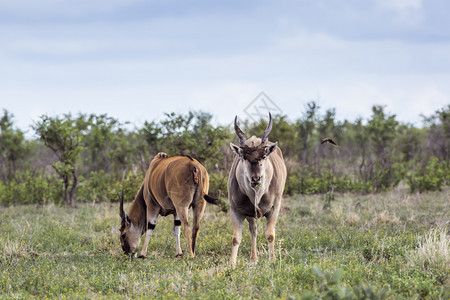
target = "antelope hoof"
x: 142, y: 256
x: 179, y: 256
x: 253, y: 261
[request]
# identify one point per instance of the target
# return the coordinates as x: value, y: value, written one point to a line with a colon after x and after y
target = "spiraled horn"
x: 239, y: 133
x: 122, y: 213
x: 266, y: 133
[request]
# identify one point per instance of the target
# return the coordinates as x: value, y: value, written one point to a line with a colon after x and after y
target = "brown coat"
x: 171, y: 186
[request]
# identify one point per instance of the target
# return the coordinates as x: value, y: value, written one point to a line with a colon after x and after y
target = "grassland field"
x: 391, y: 245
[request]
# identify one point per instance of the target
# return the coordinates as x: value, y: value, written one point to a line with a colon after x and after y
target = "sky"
x: 138, y: 59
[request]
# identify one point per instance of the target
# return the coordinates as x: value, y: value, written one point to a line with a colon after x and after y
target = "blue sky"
x: 135, y: 60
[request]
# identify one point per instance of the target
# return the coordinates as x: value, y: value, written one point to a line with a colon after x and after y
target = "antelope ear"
x: 127, y: 220
x: 271, y: 148
x: 236, y: 149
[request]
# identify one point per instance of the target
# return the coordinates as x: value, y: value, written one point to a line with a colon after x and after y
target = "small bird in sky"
x: 331, y: 141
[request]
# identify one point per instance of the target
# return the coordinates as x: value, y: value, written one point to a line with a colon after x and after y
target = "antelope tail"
x: 195, y: 177
x: 210, y: 199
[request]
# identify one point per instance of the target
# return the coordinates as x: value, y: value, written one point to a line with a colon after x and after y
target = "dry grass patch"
x: 352, y: 218
x: 432, y: 251
x: 17, y: 248
x: 386, y: 218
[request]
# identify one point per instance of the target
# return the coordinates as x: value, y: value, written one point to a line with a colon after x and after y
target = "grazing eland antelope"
x: 255, y: 188
x: 171, y: 186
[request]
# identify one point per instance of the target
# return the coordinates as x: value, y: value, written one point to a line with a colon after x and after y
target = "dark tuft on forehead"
x: 253, y: 154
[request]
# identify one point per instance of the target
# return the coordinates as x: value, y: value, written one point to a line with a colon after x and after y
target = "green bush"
x: 431, y: 177
x: 311, y: 183
x: 386, y: 177
x: 30, y: 188
x: 218, y: 188
x: 96, y: 187
x: 130, y: 185
x: 218, y: 184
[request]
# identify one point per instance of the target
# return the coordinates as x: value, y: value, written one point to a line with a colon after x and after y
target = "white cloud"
x: 407, y: 97
x: 401, y: 5
x: 408, y: 11
x: 137, y: 69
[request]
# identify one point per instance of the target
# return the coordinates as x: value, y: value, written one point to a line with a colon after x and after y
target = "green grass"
x: 387, y: 245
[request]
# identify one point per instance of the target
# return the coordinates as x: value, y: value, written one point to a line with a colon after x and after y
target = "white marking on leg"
x: 148, y: 236
x: 177, y: 233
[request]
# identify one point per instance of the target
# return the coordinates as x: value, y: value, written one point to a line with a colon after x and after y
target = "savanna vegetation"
x: 85, y: 158
x: 364, y: 220
x: 387, y: 245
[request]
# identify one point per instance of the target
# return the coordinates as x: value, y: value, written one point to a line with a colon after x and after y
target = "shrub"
x: 218, y: 184
x: 96, y: 187
x: 100, y: 186
x: 431, y: 177
x: 218, y: 188
x: 386, y: 177
x: 30, y: 188
x: 311, y: 183
x: 130, y: 184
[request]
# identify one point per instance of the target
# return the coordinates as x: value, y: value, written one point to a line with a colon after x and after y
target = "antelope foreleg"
x: 270, y: 231
x: 237, y: 221
x: 150, y: 227
x: 254, y: 233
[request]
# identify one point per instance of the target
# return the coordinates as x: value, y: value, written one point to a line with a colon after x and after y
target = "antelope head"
x: 130, y: 235
x: 253, y: 154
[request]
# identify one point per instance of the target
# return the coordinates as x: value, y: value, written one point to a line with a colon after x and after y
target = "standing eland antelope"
x: 255, y: 188
x: 171, y: 186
